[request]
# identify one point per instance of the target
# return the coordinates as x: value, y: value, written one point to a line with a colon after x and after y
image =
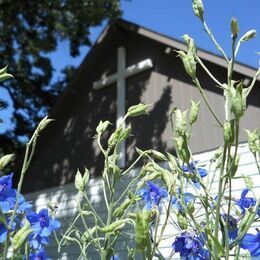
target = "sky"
x: 175, y: 18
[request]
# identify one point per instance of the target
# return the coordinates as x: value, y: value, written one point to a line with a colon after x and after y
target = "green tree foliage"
x: 29, y: 31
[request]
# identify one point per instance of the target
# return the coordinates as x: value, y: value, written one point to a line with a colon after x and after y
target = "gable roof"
x: 116, y: 25
x: 172, y: 43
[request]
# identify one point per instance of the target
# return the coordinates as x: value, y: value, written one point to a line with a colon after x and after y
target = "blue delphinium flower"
x: 190, y: 246
x: 191, y: 168
x: 176, y: 200
x: 153, y: 196
x: 39, y: 255
x: 251, y: 243
x: 3, y: 230
x: 3, y: 233
x: 8, y: 196
x: 231, y: 225
x: 42, y: 226
x: 245, y: 202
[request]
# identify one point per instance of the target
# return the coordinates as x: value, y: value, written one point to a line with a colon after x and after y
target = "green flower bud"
x: 172, y: 162
x: 81, y: 182
x: 4, y: 75
x: 102, y: 126
x: 188, y: 63
x: 194, y: 112
x: 125, y: 133
x: 234, y: 167
x: 3, y: 70
x: 191, y: 208
x: 228, y: 130
x: 125, y: 205
x: 234, y: 28
x: 138, y: 110
x: 85, y: 177
x: 44, y: 122
x: 142, y: 237
x: 198, y: 8
x: 88, y: 234
x: 180, y: 122
x: 114, y: 138
x: 152, y: 176
x: 248, y: 36
x: 248, y: 181
x: 182, y: 221
x: 238, y: 103
x: 190, y: 44
x: 254, y: 140
x: 114, y: 227
x: 169, y: 179
x: 21, y: 236
x: 182, y: 148
x: 5, y: 160
x: 159, y: 156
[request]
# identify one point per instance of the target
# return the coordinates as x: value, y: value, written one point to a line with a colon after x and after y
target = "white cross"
x: 120, y: 78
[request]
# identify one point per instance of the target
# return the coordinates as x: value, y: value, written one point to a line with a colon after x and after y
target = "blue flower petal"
x: 45, y: 232
x: 55, y: 224
x: 249, y: 242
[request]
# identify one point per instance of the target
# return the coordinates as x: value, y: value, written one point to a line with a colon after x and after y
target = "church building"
x: 127, y: 65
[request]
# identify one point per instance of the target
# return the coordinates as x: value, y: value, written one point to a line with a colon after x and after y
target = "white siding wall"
x: 65, y: 196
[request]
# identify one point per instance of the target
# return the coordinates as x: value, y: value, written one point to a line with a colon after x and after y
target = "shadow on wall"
x: 69, y: 143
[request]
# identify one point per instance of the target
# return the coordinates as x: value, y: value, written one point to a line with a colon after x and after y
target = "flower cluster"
x: 41, y: 224
x: 190, y: 244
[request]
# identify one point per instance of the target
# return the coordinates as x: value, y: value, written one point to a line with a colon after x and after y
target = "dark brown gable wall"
x: 68, y: 143
x: 169, y: 85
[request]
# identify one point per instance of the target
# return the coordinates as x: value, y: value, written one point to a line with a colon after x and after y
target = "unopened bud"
x: 234, y: 28
x: 138, y: 110
x: 248, y: 36
x: 194, y: 112
x: 198, y: 8
x: 44, y: 122
x: 102, y: 126
x: 5, y: 160
x: 188, y: 63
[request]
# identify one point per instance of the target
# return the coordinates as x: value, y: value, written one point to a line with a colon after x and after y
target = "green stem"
x: 215, y: 41
x: 209, y: 73
x: 253, y: 82
x: 220, y: 185
x: 197, y: 83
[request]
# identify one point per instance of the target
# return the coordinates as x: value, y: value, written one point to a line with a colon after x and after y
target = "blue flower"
x: 3, y: 233
x: 42, y: 226
x: 192, y: 169
x: 3, y: 230
x: 245, y: 202
x: 8, y: 196
x: 39, y: 255
x: 251, y: 243
x: 232, y: 226
x: 176, y: 200
x: 190, y: 246
x: 114, y: 257
x: 153, y: 196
